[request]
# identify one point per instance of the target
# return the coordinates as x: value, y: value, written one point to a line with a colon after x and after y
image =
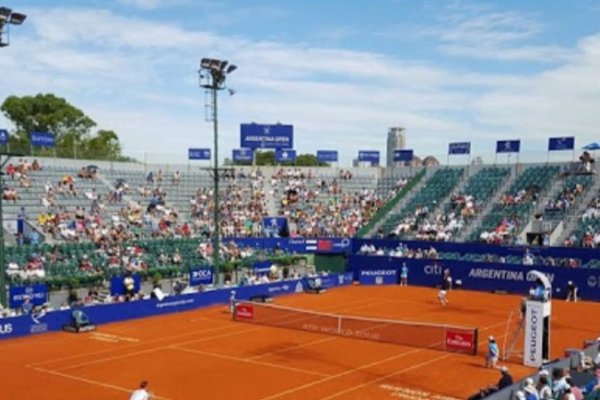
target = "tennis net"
x: 408, y: 333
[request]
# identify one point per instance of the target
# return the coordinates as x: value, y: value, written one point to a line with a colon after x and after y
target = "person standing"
x: 141, y: 393
x: 572, y: 291
x: 493, y: 353
x: 446, y: 285
x: 404, y: 275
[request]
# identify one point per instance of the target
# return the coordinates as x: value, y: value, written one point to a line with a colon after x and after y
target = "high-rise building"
x: 396, y: 140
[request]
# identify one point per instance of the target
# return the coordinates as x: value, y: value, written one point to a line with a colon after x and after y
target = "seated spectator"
x: 10, y: 194
x: 36, y: 166
x: 24, y: 181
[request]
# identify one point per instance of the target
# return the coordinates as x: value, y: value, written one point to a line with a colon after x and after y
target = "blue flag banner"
x: 37, y: 294
x: 459, y: 148
x: 561, y: 143
x: 42, y: 139
x: 3, y: 136
x: 285, y: 156
x: 242, y: 154
x: 117, y: 287
x: 275, y: 226
x: 278, y: 136
x: 327, y: 155
x: 403, y: 155
x: 199, y: 154
x: 371, y: 156
x: 201, y: 276
x: 508, y: 146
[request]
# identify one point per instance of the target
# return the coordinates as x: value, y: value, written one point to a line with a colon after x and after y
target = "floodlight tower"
x: 213, y: 73
x: 8, y: 18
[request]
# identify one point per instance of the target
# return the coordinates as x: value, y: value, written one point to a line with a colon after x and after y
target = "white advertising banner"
x: 534, y: 332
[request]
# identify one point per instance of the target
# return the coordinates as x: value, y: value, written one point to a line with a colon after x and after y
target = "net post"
x: 339, y: 327
x: 445, y: 337
x: 475, y: 341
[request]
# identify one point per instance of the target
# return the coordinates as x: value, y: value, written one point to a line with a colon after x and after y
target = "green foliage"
x: 71, y: 126
x: 267, y: 158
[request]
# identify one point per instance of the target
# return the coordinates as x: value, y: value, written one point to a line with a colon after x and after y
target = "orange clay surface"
x: 202, y: 354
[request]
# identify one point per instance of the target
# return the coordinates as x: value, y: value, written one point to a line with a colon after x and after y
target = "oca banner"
x: 201, y: 276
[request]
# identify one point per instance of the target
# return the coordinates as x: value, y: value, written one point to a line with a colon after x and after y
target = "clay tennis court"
x: 203, y: 354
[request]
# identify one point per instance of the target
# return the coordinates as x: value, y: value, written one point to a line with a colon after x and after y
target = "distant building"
x: 396, y: 140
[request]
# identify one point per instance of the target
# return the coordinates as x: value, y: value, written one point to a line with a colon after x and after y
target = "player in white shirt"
x: 141, y: 393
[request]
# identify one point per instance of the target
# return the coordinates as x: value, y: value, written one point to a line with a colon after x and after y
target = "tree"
x: 71, y: 127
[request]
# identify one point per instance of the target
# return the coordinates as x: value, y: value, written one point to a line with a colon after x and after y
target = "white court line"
x: 219, y: 328
x: 90, y: 381
x: 307, y: 344
x: 350, y: 371
x: 332, y: 377
x: 408, y: 369
x: 101, y: 360
x: 245, y: 360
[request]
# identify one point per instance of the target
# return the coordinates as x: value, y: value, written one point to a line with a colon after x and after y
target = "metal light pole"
x: 7, y: 18
x: 3, y: 296
x: 212, y: 78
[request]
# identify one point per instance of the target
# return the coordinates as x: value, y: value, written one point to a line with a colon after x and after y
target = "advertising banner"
x: 278, y: 136
x: 201, y: 276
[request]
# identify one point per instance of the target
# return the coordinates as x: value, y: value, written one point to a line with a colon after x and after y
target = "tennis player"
x: 141, y: 393
x: 493, y: 353
x: 446, y: 285
x: 232, y: 302
x: 404, y: 275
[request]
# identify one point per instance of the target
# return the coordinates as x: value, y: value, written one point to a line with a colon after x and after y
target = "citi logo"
x: 6, y: 329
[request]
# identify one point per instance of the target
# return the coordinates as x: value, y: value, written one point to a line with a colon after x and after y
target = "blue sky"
x: 341, y: 72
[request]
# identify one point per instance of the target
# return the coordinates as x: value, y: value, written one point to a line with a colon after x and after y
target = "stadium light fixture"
x: 213, y: 73
x: 7, y: 18
x: 4, y: 158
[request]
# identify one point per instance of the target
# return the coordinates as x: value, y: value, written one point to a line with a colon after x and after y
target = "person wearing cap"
x: 530, y: 391
x: 493, y: 353
x: 571, y: 292
x: 446, y: 285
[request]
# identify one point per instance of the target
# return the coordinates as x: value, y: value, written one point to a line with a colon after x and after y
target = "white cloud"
x: 144, y: 4
x: 139, y: 77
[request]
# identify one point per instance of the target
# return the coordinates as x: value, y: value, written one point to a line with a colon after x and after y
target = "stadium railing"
x: 383, y: 211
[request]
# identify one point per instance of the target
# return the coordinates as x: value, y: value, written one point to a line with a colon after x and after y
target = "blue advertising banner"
x: 198, y: 154
x: 242, y: 155
x: 117, y: 287
x: 371, y: 156
x: 403, y: 155
x: 479, y: 276
x: 378, y: 276
x: 42, y: 139
x: 201, y: 276
x: 459, y: 148
x: 278, y: 136
x: 327, y: 155
x: 561, y: 143
x: 285, y: 156
x: 3, y: 136
x: 275, y: 227
x: 107, y: 313
x: 37, y: 294
x: 508, y: 146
